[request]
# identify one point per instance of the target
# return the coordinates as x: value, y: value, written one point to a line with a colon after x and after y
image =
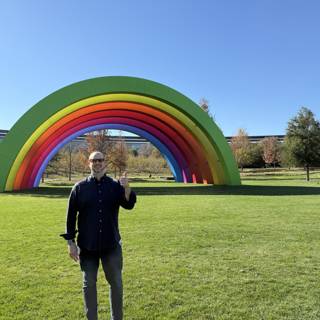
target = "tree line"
x: 301, y: 147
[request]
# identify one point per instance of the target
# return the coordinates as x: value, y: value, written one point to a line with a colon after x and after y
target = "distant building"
x: 255, y: 139
x: 134, y: 142
x: 3, y: 134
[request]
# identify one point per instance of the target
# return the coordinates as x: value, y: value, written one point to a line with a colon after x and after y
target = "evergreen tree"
x: 303, y: 139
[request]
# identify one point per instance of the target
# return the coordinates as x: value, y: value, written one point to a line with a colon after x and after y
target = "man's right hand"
x: 73, y: 251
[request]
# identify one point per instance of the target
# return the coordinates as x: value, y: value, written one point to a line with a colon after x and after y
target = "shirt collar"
x: 92, y: 178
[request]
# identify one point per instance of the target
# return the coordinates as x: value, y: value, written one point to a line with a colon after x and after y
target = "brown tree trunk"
x: 308, y: 173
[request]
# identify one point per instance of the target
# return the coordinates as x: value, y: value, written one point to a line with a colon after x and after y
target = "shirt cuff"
x: 68, y: 236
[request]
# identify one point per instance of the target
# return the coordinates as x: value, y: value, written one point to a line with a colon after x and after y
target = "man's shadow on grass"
x: 63, y: 191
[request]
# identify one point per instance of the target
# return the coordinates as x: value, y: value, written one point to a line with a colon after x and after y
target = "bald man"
x: 94, y: 206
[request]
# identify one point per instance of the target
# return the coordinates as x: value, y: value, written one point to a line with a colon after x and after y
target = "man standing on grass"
x: 94, y: 204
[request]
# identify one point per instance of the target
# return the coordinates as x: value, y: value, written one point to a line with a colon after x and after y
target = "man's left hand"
x: 124, y: 180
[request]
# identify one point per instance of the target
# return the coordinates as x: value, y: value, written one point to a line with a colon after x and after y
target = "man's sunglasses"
x: 96, y: 160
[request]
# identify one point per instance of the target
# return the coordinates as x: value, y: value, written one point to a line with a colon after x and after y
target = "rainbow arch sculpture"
x: 193, y: 145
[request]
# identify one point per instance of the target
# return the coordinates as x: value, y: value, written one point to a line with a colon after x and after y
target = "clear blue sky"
x: 256, y: 61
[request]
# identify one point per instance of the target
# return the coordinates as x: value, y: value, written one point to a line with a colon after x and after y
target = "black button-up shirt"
x: 94, y: 205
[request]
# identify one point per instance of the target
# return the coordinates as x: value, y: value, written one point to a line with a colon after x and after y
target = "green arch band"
x: 57, y: 105
x: 215, y: 165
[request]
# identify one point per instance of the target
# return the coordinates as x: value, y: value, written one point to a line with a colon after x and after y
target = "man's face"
x: 96, y: 162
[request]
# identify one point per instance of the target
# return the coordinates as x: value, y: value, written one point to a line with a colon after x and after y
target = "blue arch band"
x: 173, y: 165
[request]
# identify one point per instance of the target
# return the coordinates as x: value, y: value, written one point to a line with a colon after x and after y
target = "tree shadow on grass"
x: 277, y: 179
x: 229, y: 190
x: 63, y: 191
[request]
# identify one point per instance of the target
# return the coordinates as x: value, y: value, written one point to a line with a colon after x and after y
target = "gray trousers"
x: 112, y: 266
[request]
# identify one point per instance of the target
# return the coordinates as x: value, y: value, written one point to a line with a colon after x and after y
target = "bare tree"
x: 204, y: 105
x: 99, y: 141
x: 119, y: 156
x: 53, y: 166
x: 65, y: 160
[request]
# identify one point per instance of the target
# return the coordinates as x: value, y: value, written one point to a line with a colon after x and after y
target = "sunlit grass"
x: 190, y: 252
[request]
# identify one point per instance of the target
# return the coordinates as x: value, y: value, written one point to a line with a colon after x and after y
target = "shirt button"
x: 99, y: 191
x: 100, y: 230
x: 100, y: 200
x: 100, y: 220
x: 100, y: 210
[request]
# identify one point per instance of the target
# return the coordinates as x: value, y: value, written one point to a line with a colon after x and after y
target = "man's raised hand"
x: 125, y: 183
x: 124, y: 180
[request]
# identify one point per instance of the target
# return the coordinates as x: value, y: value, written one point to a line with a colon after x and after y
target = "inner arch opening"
x: 174, y: 167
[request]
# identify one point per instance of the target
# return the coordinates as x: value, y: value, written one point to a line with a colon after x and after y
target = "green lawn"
x: 190, y: 252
